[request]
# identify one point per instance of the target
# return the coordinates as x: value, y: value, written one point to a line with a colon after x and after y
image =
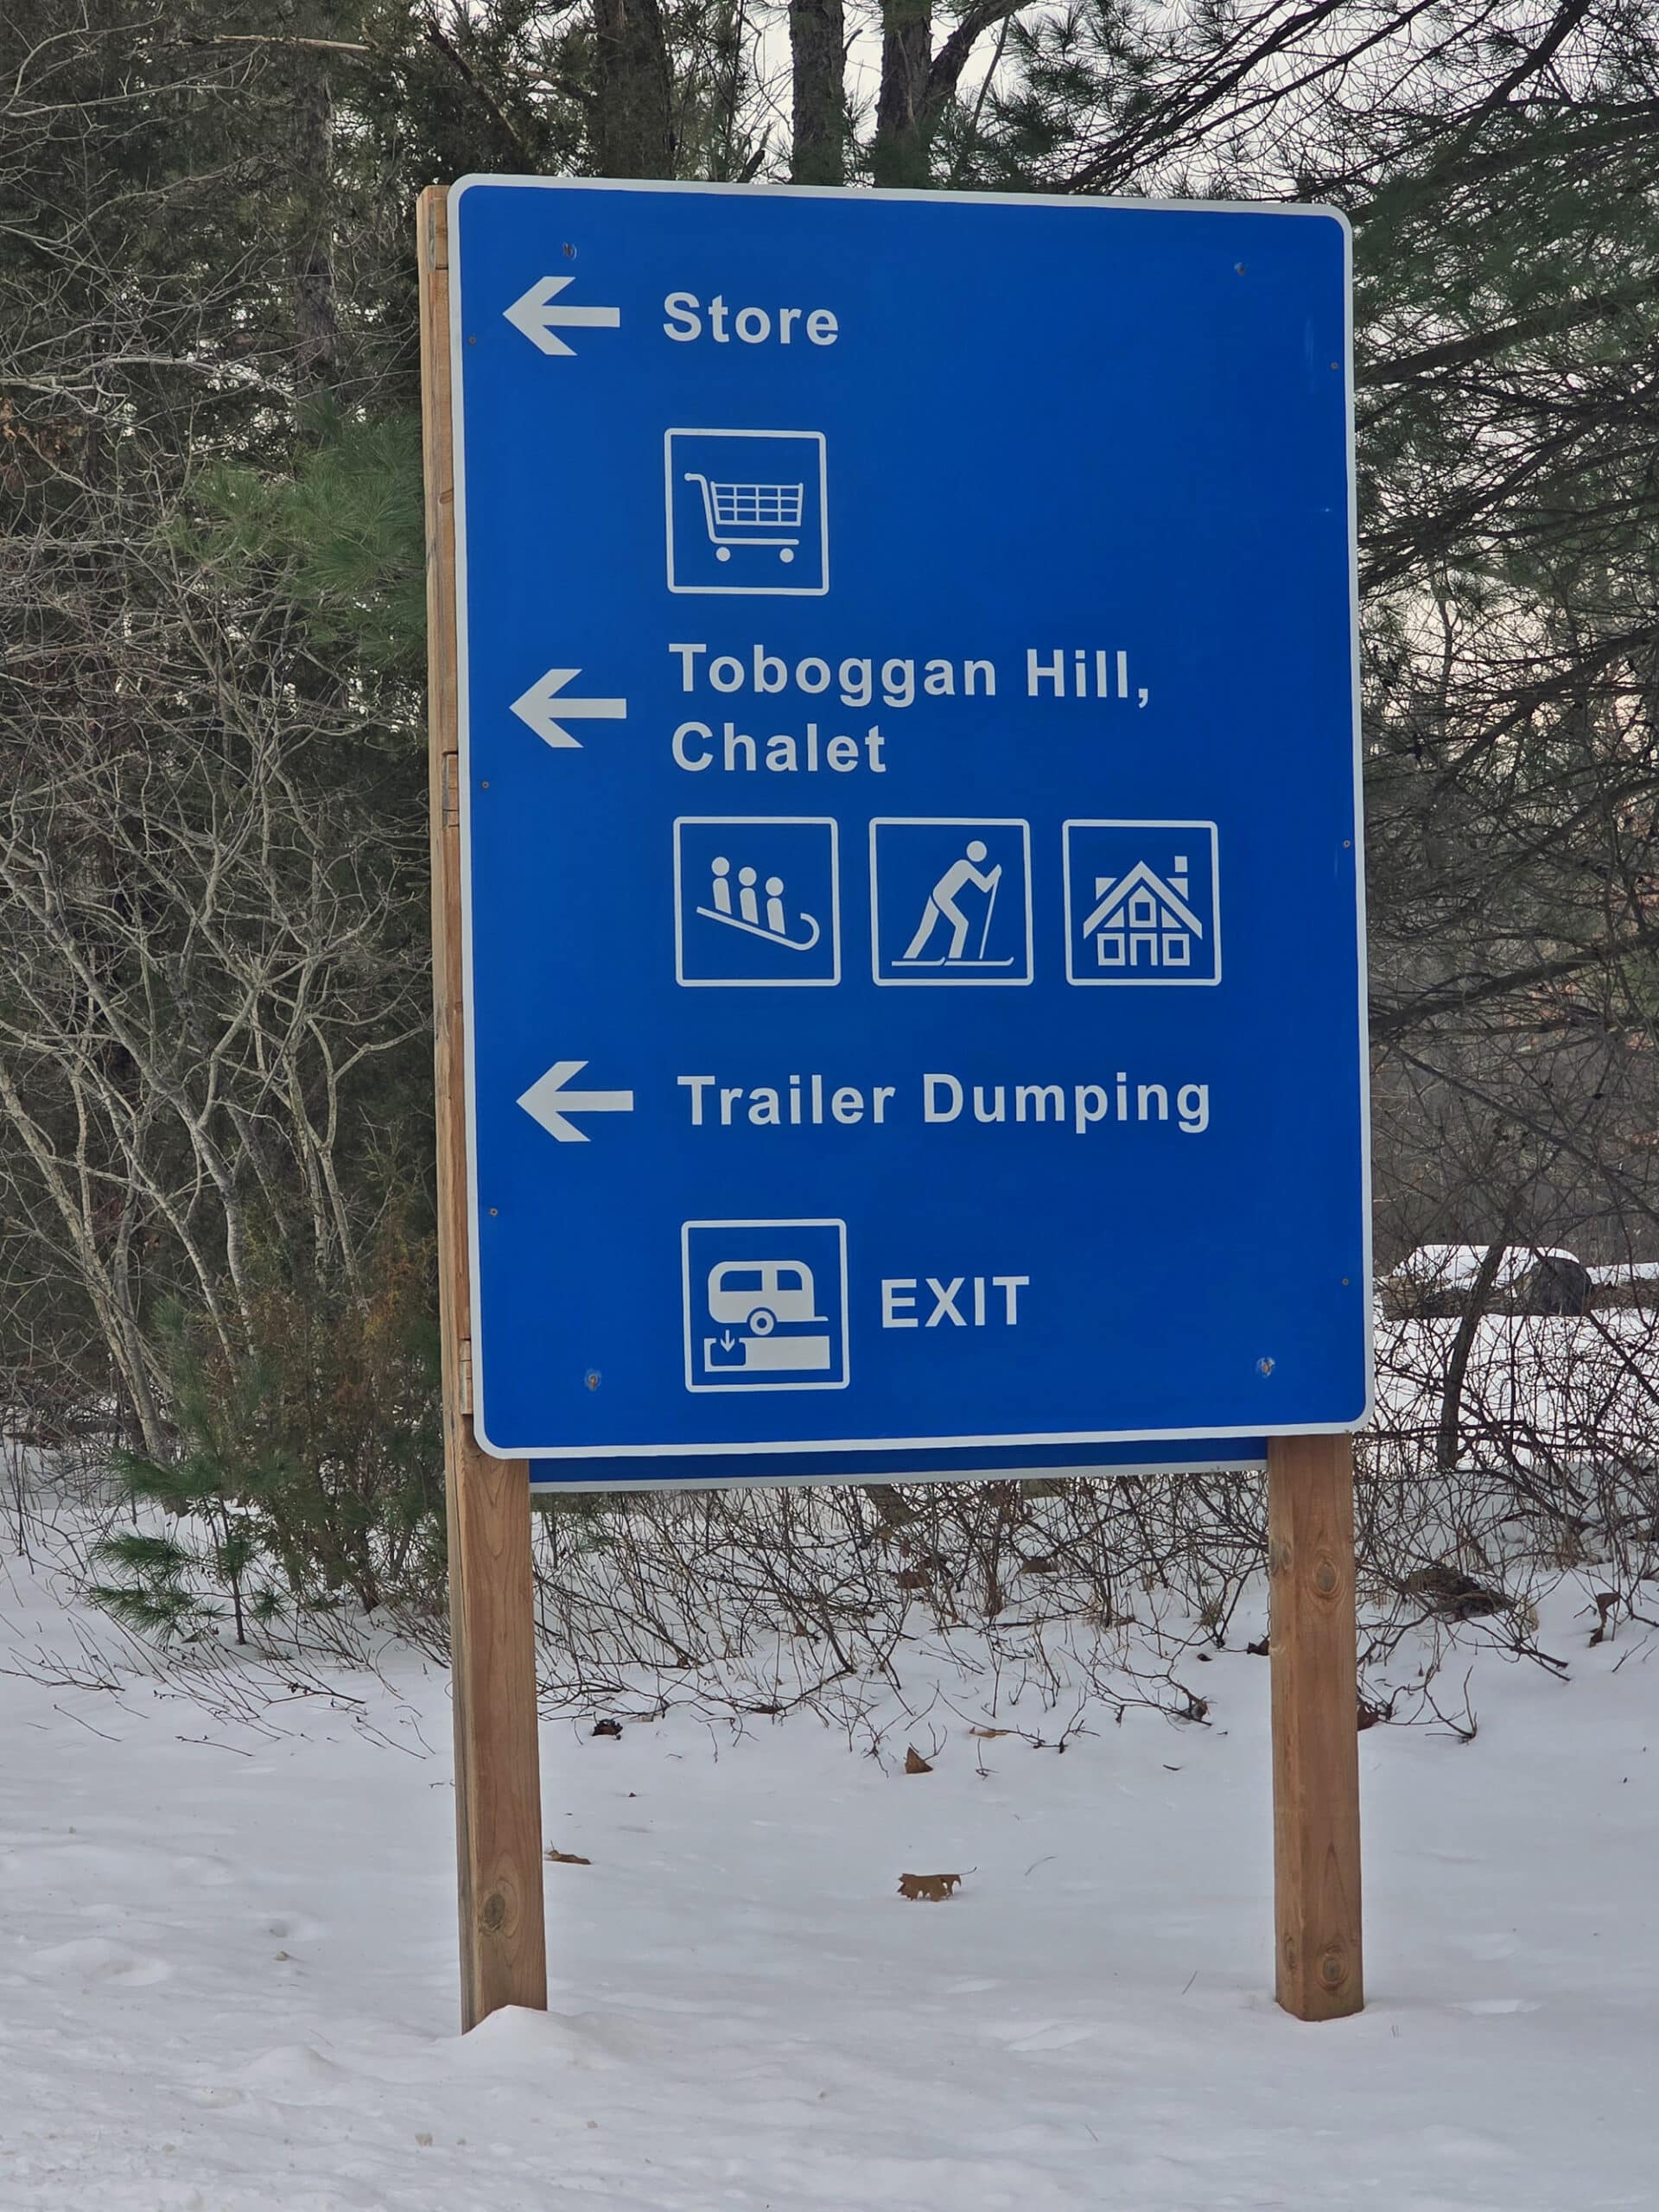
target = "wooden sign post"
x: 1310, y: 1479
x: 492, y: 1609
x: 1315, y: 1726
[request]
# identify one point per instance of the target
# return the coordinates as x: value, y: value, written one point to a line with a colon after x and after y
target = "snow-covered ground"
x: 227, y: 1981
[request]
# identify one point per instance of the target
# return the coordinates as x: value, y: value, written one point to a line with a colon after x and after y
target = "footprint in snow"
x: 291, y: 2065
x: 1498, y: 1945
x: 295, y: 1928
x: 96, y: 1959
x: 1045, y: 2034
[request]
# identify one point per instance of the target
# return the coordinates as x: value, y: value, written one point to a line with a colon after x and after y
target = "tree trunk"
x: 1449, y: 1442
x: 899, y: 155
x: 633, y: 125
x: 818, y: 52
x: 316, y: 313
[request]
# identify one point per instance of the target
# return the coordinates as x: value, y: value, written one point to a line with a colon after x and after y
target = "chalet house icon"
x: 1142, y: 919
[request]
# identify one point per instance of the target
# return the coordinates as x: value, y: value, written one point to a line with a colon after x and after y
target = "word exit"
x: 964, y: 1302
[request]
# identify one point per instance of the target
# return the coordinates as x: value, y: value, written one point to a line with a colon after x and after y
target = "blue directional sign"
x: 914, y: 947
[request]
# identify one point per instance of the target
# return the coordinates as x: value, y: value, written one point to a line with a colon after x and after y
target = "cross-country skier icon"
x: 944, y: 906
x: 951, y: 900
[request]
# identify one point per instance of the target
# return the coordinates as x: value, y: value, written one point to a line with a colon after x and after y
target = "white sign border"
x: 1084, y: 205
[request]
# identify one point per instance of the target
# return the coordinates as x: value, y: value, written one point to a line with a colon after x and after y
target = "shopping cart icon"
x: 746, y: 512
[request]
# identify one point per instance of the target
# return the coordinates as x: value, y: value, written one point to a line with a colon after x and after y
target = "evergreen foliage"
x: 339, y: 535
x: 304, y: 1469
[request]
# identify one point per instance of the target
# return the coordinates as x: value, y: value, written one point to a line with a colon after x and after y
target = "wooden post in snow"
x: 498, y: 1773
x: 1315, y: 1726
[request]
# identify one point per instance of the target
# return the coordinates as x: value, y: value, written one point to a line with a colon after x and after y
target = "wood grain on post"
x: 498, y: 1772
x: 1315, y: 1726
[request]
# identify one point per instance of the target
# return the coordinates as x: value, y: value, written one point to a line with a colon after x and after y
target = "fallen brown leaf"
x: 935, y: 1888
x: 990, y: 1733
x: 915, y: 1763
x: 566, y: 1858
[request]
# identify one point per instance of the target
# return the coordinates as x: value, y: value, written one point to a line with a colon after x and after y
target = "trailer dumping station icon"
x: 766, y: 1304
x: 853, y: 802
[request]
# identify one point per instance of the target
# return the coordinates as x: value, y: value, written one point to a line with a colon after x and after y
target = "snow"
x: 1454, y: 1266
x: 227, y: 1979
x: 1578, y: 1393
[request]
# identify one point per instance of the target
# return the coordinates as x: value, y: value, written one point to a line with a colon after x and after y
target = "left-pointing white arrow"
x: 545, y: 711
x: 547, y: 1101
x: 533, y: 313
